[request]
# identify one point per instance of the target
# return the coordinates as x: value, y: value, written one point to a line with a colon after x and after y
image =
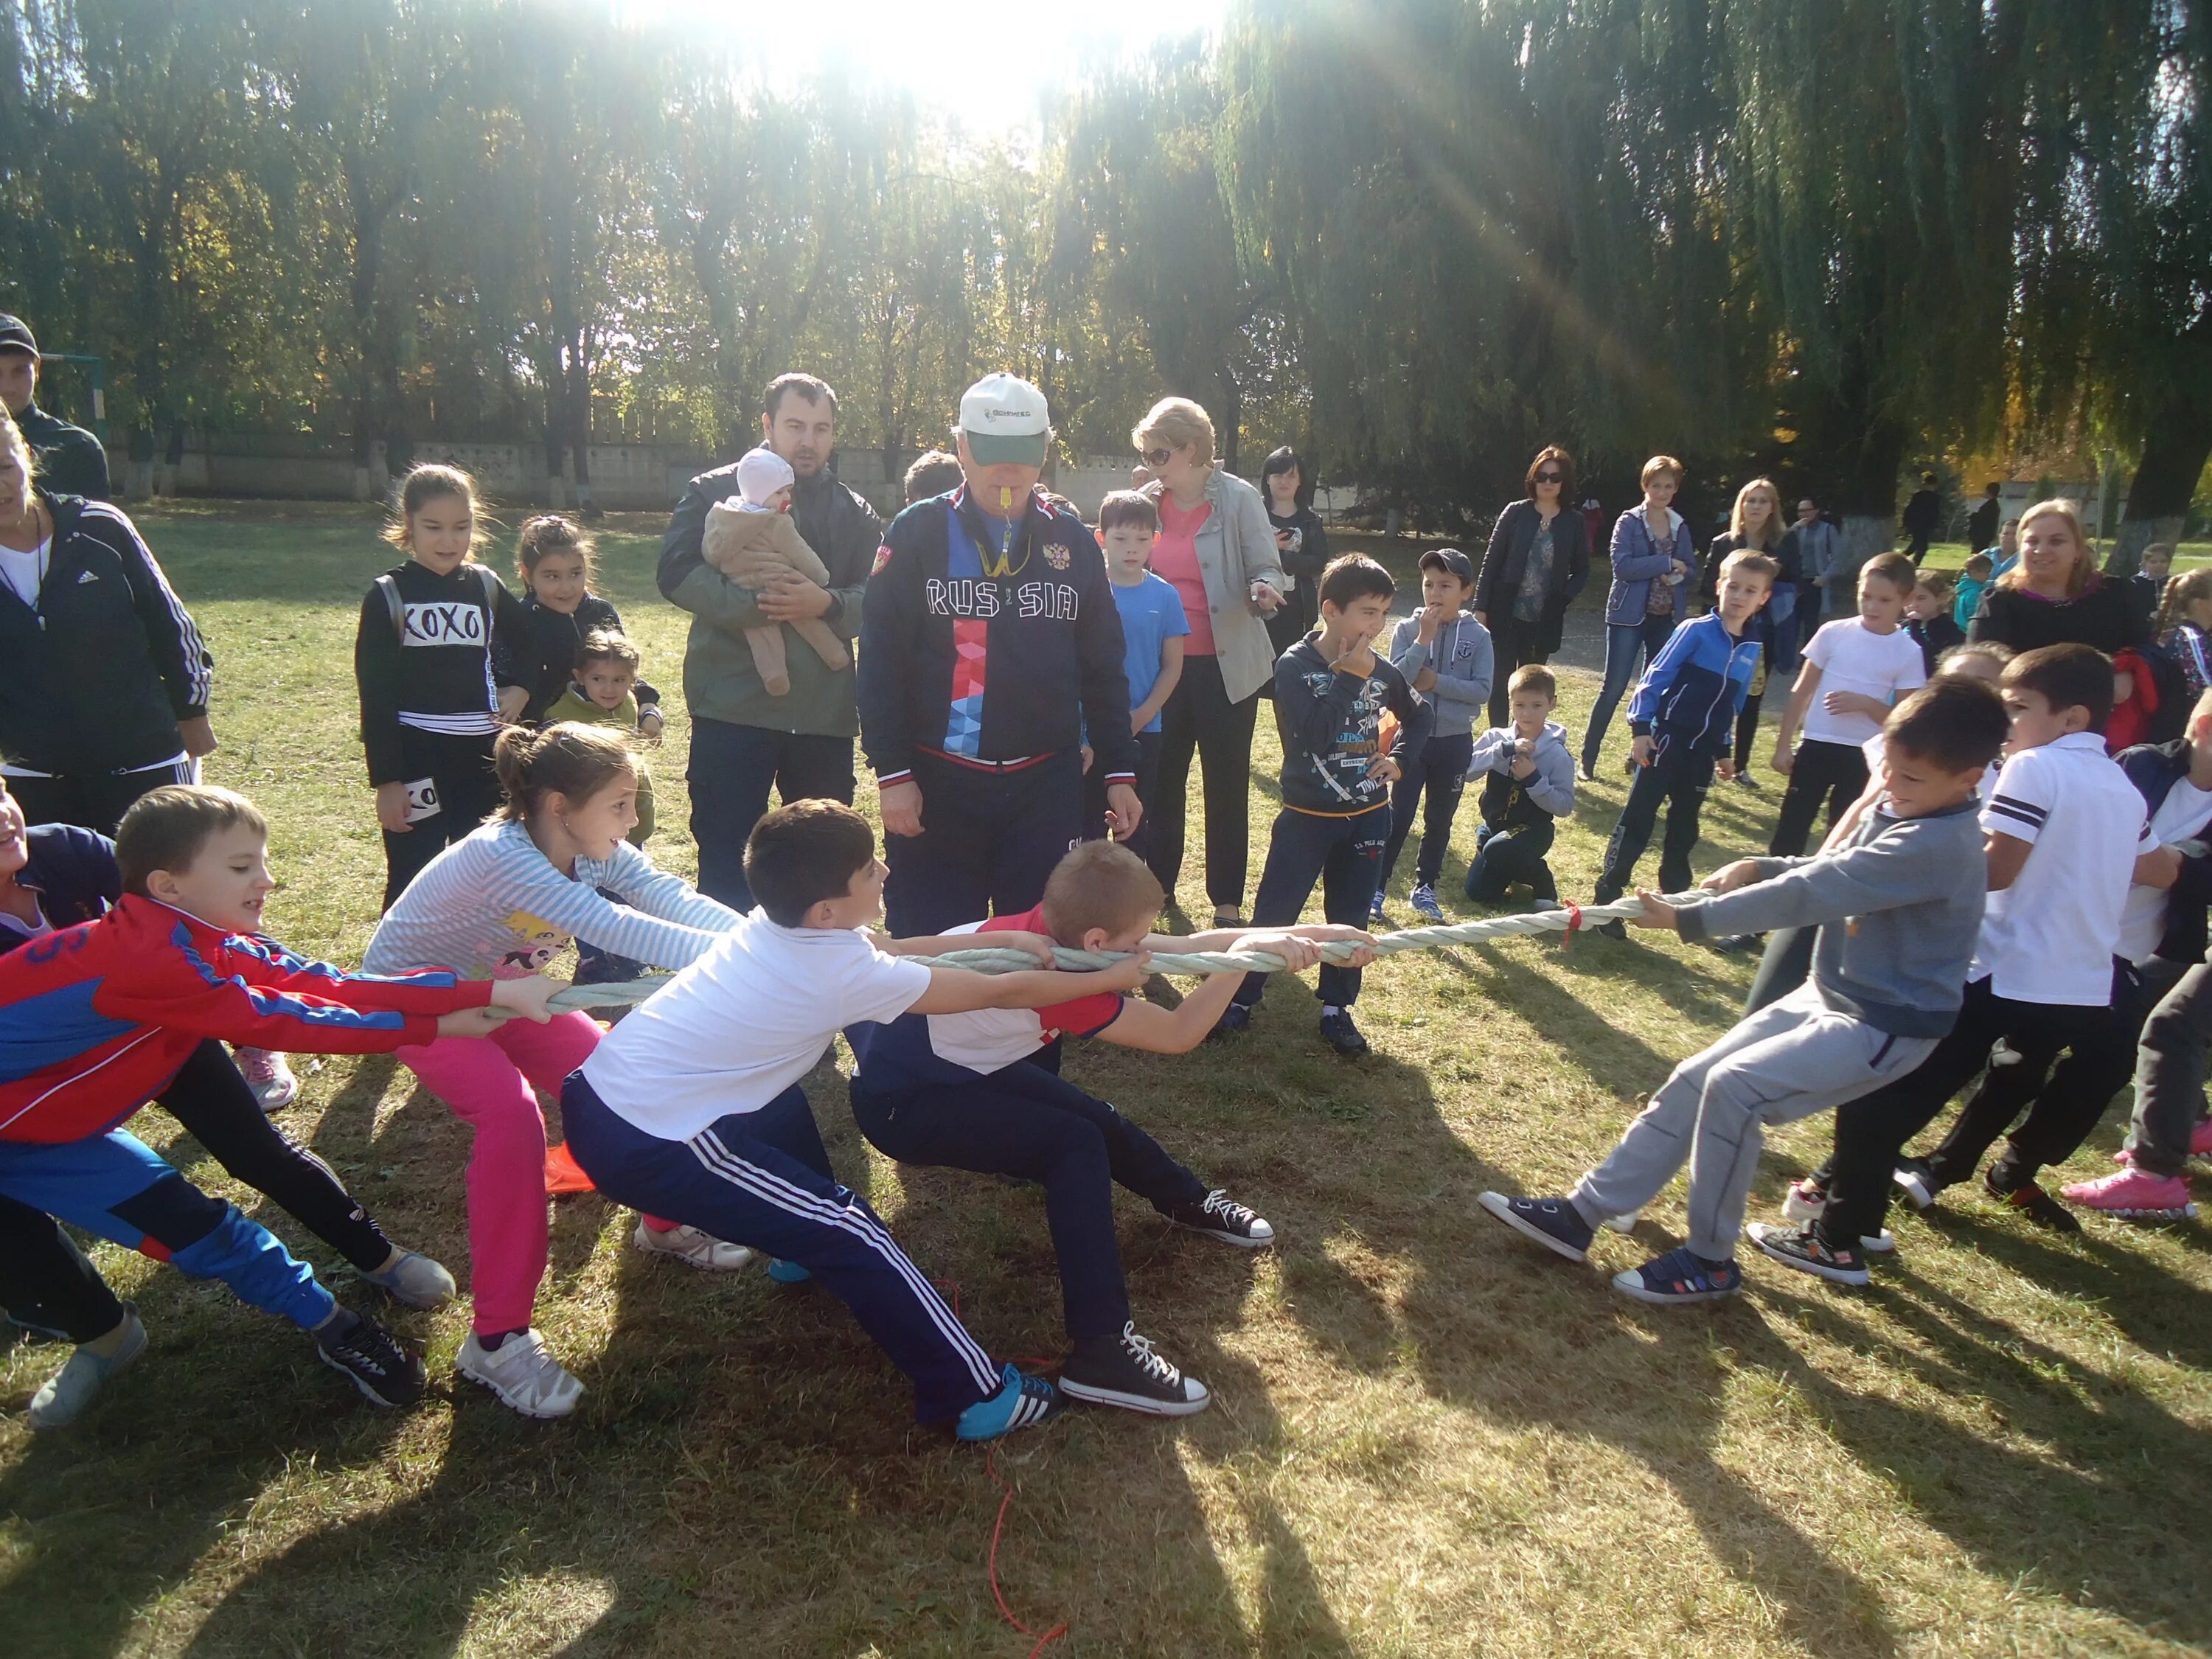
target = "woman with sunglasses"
x: 1537, y: 564
x: 1218, y: 549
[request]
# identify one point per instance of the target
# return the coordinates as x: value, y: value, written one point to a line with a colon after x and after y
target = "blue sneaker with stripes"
x: 787, y: 1272
x: 1022, y: 1401
x: 1680, y: 1275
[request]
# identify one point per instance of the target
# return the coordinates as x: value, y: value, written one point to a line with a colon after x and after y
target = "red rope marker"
x: 1574, y: 926
x: 952, y: 1289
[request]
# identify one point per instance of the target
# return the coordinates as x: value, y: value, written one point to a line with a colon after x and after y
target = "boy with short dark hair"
x: 1527, y: 786
x: 604, y: 692
x: 691, y: 1110
x: 1973, y: 579
x: 1331, y: 691
x: 1683, y: 716
x: 982, y: 1092
x: 2066, y: 832
x: 1153, y: 627
x: 1856, y: 668
x: 1447, y: 655
x: 99, y: 1019
x: 1898, y: 903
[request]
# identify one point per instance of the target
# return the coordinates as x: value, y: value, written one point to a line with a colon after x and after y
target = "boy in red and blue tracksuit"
x: 97, y: 1018
x: 1683, y: 720
x: 987, y: 644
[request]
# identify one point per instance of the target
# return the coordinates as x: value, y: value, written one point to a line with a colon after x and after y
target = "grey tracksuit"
x: 1899, y: 908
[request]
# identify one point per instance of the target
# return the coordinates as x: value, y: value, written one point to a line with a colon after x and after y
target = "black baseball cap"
x: 1451, y: 559
x: 15, y: 335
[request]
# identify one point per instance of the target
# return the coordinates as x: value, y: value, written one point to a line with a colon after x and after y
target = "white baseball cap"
x: 1004, y: 419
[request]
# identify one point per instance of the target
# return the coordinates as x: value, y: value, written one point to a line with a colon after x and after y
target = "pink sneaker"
x: 2129, y: 1195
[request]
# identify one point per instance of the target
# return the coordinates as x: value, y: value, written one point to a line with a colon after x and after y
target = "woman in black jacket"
x: 1301, y: 548
x: 1537, y: 565
x: 106, y: 692
x: 2054, y: 595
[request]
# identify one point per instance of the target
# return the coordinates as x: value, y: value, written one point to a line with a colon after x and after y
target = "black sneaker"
x: 1917, y: 1180
x: 1340, y: 1034
x: 1554, y: 1223
x: 2028, y: 1197
x: 1802, y: 1248
x: 1614, y: 929
x: 1737, y: 945
x: 384, y: 1372
x: 1235, y: 1017
x: 1219, y: 1216
x: 1124, y: 1371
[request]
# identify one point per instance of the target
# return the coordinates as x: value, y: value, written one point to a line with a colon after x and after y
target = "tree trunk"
x: 2174, y: 458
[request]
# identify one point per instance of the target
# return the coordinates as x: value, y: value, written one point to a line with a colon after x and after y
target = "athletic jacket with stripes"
x: 97, y: 677
x: 95, y: 1020
x: 443, y: 677
x: 1696, y: 685
x: 986, y: 667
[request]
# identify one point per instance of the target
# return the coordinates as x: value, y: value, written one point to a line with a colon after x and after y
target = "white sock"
x: 1329, y: 1008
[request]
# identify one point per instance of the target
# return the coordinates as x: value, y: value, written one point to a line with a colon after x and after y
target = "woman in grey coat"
x: 1217, y: 549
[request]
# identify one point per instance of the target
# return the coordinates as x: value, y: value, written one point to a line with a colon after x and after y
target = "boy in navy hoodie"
x: 1683, y: 716
x: 1331, y: 688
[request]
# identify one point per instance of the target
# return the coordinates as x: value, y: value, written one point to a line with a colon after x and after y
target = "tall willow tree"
x: 2116, y: 243
x: 1496, y: 227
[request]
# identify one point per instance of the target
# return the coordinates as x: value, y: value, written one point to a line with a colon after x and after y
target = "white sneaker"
x: 271, y: 1080
x: 63, y: 1397
x: 691, y: 1246
x: 522, y: 1373
x: 1625, y: 1224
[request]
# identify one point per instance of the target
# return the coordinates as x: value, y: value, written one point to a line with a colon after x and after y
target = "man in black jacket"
x: 70, y: 459
x: 992, y: 652
x: 744, y: 741
x: 1922, y: 517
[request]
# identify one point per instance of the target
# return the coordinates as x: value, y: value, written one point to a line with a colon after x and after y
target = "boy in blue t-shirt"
x: 1153, y: 630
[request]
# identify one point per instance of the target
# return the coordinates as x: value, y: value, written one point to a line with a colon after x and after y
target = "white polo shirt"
x: 2050, y: 937
x: 744, y: 1021
x: 1883, y: 666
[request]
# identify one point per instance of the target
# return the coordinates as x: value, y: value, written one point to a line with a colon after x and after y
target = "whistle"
x: 1006, y: 498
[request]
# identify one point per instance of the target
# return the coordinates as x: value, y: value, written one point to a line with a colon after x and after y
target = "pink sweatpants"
x: 487, y: 1083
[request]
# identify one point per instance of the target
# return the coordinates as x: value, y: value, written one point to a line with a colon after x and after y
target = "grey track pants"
x: 1791, y: 1059
x: 2170, y: 1075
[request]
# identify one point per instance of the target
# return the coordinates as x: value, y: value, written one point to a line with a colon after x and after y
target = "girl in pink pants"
x: 553, y: 867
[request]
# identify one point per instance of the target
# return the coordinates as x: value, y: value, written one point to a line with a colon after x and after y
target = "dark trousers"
x: 1023, y: 1120
x: 47, y: 1283
x: 989, y: 840
x: 213, y: 1102
x: 1512, y: 643
x: 1502, y: 857
x: 1679, y: 779
x: 2170, y: 1074
x: 762, y: 1179
x: 1746, y: 734
x: 460, y: 768
x: 1830, y: 774
x: 1629, y: 649
x: 91, y: 800
x: 1916, y: 546
x: 1199, y: 721
x: 1346, y: 856
x: 2063, y: 1102
x: 1439, y: 774
x: 732, y: 769
x: 1786, y: 965
x: 1148, y: 791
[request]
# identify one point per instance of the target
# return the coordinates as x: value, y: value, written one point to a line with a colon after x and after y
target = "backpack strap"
x: 390, y: 589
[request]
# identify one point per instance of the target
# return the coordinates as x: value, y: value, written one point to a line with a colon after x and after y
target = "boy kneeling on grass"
x: 96, y: 1020
x: 691, y: 1108
x: 982, y: 1092
x: 1898, y: 904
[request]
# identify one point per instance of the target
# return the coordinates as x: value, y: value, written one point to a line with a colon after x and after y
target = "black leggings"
x: 1834, y: 773
x: 1201, y: 720
x: 46, y: 1281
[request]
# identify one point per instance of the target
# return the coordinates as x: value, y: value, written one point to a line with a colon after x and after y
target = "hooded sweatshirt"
x: 1464, y: 660
x: 1512, y: 803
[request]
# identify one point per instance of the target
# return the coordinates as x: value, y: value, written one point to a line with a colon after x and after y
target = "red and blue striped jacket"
x: 95, y: 1020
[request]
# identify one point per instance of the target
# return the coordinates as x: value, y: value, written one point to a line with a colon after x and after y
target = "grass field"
x: 1429, y: 1437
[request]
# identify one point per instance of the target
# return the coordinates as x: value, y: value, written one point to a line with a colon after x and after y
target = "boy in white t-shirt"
x: 691, y: 1107
x: 2067, y: 836
x: 1855, y: 671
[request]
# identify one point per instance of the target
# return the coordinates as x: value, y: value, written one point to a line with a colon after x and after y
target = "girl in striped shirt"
x: 502, y: 903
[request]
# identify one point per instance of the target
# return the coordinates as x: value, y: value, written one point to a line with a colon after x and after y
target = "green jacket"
x: 720, y: 680
x: 573, y: 705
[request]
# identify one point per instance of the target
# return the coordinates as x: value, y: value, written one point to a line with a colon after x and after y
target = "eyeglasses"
x: 1156, y: 458
x: 1551, y: 477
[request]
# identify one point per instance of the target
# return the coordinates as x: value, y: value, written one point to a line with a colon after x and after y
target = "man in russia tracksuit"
x: 989, y: 643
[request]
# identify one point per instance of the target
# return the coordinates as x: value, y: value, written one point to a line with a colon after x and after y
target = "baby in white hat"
x: 752, y: 541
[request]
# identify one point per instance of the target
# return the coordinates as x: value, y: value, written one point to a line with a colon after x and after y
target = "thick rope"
x: 1569, y: 918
